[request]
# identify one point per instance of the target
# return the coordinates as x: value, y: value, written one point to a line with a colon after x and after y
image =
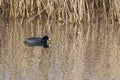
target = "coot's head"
x: 46, y: 38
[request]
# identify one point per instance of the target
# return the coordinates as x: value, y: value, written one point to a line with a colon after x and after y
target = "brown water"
x: 76, y: 53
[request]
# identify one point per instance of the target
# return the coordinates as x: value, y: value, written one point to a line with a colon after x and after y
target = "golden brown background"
x: 85, y: 40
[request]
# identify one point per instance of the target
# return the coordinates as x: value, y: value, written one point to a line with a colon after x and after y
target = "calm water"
x: 76, y: 52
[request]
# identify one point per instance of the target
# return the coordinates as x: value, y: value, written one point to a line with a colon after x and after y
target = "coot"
x: 37, y: 41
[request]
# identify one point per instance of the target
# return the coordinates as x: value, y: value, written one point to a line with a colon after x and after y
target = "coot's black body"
x: 37, y: 41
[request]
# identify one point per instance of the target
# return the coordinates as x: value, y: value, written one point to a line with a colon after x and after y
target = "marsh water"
x: 77, y: 52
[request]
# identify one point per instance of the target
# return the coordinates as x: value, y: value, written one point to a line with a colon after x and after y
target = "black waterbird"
x: 37, y: 41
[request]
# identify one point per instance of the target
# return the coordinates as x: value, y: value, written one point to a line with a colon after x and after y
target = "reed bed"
x: 62, y: 10
x: 85, y: 39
